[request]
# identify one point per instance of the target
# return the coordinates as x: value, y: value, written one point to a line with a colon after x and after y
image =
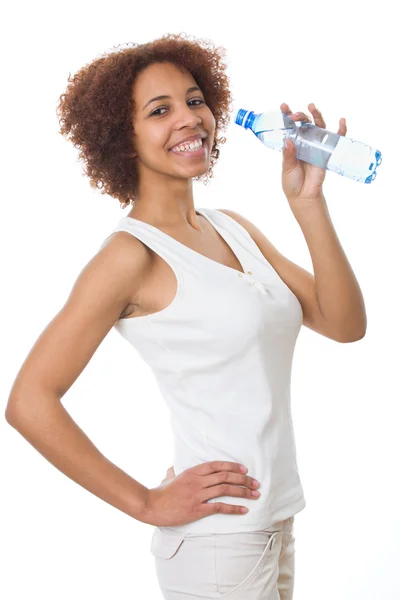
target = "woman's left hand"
x: 301, y: 181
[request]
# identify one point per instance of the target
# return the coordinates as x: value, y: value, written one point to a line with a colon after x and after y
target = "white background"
x: 57, y: 540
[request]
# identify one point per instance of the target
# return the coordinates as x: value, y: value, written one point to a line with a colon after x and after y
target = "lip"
x: 189, y: 139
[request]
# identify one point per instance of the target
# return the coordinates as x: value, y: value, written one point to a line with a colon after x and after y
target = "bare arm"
x: 101, y: 293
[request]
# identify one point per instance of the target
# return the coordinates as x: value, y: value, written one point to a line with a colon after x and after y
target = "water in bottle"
x: 314, y: 145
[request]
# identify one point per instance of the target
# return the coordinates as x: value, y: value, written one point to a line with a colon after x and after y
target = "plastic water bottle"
x: 314, y: 145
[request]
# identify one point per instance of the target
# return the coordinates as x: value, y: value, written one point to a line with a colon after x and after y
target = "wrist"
x: 148, y: 512
x: 308, y: 208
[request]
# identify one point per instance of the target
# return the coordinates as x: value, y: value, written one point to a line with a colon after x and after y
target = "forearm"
x: 49, y: 428
x: 338, y: 293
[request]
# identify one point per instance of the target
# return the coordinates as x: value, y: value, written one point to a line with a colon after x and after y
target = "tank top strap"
x: 172, y: 251
x: 237, y: 232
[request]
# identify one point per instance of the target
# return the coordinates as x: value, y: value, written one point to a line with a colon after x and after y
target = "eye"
x: 163, y: 108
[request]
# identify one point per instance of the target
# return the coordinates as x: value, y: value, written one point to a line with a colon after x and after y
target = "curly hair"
x: 95, y: 112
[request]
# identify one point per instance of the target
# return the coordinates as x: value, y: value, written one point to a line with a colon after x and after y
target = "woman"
x: 211, y: 306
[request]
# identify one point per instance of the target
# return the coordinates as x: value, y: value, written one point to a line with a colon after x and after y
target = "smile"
x: 198, y: 150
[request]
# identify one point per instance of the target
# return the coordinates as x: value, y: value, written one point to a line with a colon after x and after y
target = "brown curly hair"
x: 96, y: 111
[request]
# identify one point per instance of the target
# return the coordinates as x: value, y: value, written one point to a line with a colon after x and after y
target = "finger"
x: 342, y: 127
x: 318, y: 118
x: 285, y: 108
x: 300, y: 116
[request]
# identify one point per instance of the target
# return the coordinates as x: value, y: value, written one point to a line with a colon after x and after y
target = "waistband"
x: 286, y: 526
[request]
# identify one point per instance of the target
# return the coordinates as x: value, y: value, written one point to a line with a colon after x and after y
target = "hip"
x: 246, y: 564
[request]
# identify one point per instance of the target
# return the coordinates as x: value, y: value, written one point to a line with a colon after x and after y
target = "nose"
x: 187, y: 116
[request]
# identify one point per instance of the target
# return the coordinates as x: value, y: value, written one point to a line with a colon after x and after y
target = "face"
x: 161, y: 124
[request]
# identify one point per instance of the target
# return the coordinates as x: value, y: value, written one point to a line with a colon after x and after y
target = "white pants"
x: 255, y: 565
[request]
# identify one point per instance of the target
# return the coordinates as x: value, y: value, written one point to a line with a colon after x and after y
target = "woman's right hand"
x: 182, y: 499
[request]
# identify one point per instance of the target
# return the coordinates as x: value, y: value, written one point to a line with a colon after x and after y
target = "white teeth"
x: 188, y: 147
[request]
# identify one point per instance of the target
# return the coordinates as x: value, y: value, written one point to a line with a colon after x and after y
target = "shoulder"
x: 248, y: 225
x: 125, y: 249
x: 123, y: 261
x: 270, y: 252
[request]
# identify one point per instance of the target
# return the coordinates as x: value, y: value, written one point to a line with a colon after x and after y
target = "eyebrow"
x: 191, y: 89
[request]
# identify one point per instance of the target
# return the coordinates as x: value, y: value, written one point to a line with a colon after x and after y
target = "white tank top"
x: 221, y: 354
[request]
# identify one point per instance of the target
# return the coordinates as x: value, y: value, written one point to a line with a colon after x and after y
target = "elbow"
x: 352, y: 331
x: 11, y: 414
x: 348, y: 339
x: 23, y: 411
x: 15, y: 411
